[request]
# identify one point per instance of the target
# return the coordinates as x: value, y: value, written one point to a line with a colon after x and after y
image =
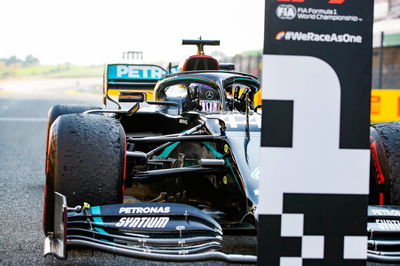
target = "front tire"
x: 86, y: 162
x: 58, y: 110
x: 385, y: 163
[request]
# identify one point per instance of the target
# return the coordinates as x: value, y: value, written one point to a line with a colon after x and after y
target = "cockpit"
x: 210, y: 91
x: 194, y: 94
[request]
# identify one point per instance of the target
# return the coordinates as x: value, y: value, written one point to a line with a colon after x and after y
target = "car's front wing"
x: 159, y: 231
x: 384, y: 234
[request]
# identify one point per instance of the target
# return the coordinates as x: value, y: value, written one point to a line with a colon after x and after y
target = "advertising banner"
x: 385, y: 105
x: 315, y: 173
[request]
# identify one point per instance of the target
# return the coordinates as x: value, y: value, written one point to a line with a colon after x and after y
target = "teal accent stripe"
x: 227, y: 161
x: 168, y: 150
x: 211, y: 148
x: 206, y: 80
x: 97, y: 211
x: 219, y: 155
x: 252, y: 80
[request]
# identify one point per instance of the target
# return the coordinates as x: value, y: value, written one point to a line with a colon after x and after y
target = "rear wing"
x: 135, y: 77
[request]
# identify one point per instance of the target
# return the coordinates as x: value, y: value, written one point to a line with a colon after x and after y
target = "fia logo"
x: 286, y: 12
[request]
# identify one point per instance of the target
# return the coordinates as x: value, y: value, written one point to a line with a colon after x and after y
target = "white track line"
x: 23, y: 119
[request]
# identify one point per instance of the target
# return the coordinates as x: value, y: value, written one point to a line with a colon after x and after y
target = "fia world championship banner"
x: 315, y: 173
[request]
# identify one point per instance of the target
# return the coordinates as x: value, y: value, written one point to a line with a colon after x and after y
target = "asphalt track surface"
x: 23, y: 114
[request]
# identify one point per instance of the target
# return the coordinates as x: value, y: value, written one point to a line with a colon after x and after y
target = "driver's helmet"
x: 209, y: 98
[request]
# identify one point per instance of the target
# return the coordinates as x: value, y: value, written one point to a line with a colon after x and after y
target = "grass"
x: 57, y: 71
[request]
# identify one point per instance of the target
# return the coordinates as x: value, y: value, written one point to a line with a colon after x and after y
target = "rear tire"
x: 86, y: 162
x: 385, y: 163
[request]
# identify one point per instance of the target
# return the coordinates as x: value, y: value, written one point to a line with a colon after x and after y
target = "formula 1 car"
x: 166, y: 179
x: 162, y: 179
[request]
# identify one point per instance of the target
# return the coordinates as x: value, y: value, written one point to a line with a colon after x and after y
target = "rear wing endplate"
x: 135, y: 77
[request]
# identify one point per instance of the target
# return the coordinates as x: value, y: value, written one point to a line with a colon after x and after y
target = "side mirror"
x: 132, y: 96
x: 133, y: 109
x: 227, y: 66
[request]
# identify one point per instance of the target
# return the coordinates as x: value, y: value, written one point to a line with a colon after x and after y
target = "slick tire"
x: 86, y: 162
x: 57, y: 110
x: 385, y: 163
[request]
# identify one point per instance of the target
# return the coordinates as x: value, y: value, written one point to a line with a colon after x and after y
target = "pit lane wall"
x: 385, y: 105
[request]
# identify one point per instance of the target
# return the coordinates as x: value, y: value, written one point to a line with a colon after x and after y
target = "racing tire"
x: 57, y: 110
x: 86, y: 162
x: 385, y: 163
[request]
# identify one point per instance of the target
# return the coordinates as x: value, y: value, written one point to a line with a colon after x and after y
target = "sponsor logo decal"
x: 180, y: 227
x: 286, y: 12
x: 337, y: 2
x: 385, y: 212
x: 135, y: 72
x: 142, y: 72
x: 142, y: 222
x: 378, y: 170
x: 375, y: 105
x: 210, y: 105
x: 307, y: 13
x: 388, y: 224
x: 209, y: 95
x: 146, y: 210
x: 239, y: 121
x: 318, y: 37
x: 183, y: 121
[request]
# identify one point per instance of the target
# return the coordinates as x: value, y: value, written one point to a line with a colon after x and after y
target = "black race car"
x: 161, y: 179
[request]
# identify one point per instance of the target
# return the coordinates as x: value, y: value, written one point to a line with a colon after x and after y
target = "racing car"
x: 159, y: 179
x: 167, y: 178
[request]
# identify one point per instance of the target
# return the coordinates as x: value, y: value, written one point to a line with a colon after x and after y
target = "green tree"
x: 12, y: 60
x: 30, y: 60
